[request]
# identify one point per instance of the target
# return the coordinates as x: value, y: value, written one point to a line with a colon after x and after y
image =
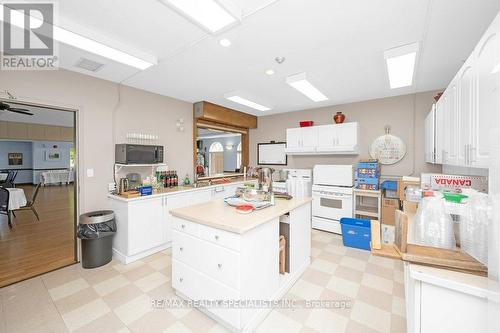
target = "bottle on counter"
x: 176, y: 179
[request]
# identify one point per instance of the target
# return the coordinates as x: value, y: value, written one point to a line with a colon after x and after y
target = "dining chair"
x: 9, y: 181
x: 30, y: 205
x: 4, y: 204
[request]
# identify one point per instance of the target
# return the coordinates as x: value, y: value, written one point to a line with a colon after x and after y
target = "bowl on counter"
x: 253, y: 195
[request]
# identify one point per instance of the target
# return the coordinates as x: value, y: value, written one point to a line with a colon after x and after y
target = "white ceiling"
x: 43, y: 116
x: 339, y: 44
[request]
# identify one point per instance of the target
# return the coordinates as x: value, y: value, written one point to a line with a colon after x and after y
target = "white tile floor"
x: 118, y: 298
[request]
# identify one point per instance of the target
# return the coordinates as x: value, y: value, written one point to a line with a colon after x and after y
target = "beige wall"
x: 405, y: 114
x: 100, y: 111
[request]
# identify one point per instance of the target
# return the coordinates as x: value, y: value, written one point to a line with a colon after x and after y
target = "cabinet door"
x: 293, y: 138
x: 347, y: 135
x: 439, y: 131
x: 429, y: 136
x: 309, y: 137
x: 465, y: 112
x: 453, y: 134
x: 146, y: 223
x: 488, y: 104
x: 327, y: 137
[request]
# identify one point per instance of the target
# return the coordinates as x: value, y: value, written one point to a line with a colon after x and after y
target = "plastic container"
x: 356, y: 233
x: 306, y: 123
x: 391, y: 185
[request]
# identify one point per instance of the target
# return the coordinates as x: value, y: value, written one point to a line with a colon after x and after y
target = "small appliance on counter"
x: 293, y: 182
x: 124, y: 185
x: 138, y: 154
x: 332, y: 193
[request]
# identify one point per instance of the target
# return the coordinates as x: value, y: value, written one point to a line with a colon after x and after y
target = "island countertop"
x: 218, y: 214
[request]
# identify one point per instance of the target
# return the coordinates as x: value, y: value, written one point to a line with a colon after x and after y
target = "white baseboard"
x: 128, y: 259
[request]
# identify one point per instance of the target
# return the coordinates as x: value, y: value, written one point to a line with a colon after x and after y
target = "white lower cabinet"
x: 147, y: 225
x: 438, y: 301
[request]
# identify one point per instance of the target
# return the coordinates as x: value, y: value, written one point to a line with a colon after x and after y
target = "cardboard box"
x: 403, y: 184
x: 389, y: 207
x: 410, y: 207
x: 375, y: 233
x: 437, y: 182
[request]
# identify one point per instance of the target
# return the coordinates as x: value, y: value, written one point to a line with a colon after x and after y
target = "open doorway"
x: 37, y: 190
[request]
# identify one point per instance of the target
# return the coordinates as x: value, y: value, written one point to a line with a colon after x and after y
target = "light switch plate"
x: 90, y: 173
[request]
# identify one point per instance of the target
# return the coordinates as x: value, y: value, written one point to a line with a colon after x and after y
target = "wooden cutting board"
x: 453, y: 259
x: 130, y: 194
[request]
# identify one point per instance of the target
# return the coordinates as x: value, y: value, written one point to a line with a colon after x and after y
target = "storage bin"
x: 390, y: 185
x: 356, y: 233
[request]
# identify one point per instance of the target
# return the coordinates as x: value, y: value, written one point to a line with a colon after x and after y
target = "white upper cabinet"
x: 324, y: 139
x: 465, y: 111
x: 488, y: 105
x: 440, y: 130
x: 430, y: 130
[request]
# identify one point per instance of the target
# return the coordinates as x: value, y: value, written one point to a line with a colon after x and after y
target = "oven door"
x: 331, y: 205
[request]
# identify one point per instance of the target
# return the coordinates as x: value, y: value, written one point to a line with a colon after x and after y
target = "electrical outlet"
x: 111, y: 187
x: 90, y: 173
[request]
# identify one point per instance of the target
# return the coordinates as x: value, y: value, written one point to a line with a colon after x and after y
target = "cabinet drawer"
x: 197, y: 286
x: 185, y: 226
x: 221, y: 264
x: 187, y: 249
x: 221, y: 237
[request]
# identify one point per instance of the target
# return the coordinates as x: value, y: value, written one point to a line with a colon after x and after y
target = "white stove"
x: 332, y: 193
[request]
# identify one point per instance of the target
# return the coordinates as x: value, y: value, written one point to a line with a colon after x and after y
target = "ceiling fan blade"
x: 21, y: 111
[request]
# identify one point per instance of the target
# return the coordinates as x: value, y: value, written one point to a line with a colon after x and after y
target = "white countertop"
x: 218, y: 214
x: 466, y: 283
x: 177, y: 190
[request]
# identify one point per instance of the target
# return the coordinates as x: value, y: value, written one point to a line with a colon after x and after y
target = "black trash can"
x: 96, y: 230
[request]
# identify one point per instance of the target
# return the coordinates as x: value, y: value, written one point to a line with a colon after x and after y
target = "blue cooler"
x: 356, y: 233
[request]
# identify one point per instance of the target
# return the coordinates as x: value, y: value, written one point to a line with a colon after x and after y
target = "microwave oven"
x: 138, y: 154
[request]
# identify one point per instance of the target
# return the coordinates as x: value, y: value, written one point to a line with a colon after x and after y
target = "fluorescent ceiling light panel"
x: 246, y: 102
x: 212, y: 15
x: 87, y: 44
x: 299, y: 82
x: 401, y: 63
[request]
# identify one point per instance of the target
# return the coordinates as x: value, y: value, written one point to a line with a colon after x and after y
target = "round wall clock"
x: 388, y: 149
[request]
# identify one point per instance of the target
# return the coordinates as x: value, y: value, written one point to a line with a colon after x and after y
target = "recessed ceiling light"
x: 87, y: 44
x: 246, y: 102
x: 299, y: 82
x: 225, y: 42
x: 401, y: 65
x: 270, y: 72
x: 211, y: 15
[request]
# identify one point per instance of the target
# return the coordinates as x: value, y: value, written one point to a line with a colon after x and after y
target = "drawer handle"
x: 181, y: 249
x: 181, y: 279
x: 183, y: 226
x: 216, y: 237
x: 219, y: 265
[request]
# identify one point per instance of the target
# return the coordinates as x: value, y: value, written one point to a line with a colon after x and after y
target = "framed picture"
x: 52, y: 155
x: 15, y: 158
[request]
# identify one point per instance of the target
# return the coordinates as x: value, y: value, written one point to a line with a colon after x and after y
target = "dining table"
x: 17, y: 198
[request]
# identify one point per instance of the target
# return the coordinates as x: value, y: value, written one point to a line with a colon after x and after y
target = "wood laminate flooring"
x: 34, y: 247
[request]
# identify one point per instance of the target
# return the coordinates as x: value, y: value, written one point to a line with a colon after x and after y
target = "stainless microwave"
x: 138, y: 154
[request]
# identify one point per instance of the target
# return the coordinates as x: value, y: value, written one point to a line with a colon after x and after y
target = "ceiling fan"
x: 7, y: 107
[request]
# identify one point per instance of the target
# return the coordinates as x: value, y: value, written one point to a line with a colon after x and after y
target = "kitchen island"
x: 221, y: 255
x: 144, y: 224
